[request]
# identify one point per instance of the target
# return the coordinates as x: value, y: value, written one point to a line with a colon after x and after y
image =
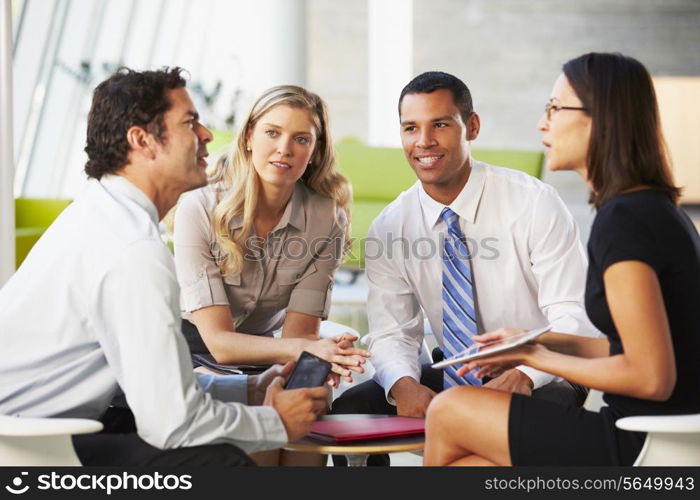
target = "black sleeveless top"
x: 646, y: 226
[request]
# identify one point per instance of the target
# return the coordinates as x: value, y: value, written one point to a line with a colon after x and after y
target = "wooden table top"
x: 370, y: 447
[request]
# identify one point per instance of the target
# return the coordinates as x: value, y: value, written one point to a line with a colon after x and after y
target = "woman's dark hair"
x: 430, y: 81
x: 626, y: 148
x: 126, y: 99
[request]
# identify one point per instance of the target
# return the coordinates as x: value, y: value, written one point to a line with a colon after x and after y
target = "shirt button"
x: 299, y: 275
x: 201, y: 274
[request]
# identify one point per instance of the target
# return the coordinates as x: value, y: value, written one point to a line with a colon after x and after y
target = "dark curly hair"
x: 126, y: 99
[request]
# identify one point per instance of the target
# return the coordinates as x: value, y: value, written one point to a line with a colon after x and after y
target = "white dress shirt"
x: 528, y: 264
x: 94, y: 307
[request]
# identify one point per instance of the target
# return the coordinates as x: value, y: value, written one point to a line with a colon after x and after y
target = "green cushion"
x: 25, y: 238
x: 38, y: 212
x: 376, y: 173
x: 32, y: 217
x: 529, y: 162
x: 363, y: 213
x: 220, y: 144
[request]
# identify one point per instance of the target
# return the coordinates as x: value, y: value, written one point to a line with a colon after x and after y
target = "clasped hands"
x: 340, y: 351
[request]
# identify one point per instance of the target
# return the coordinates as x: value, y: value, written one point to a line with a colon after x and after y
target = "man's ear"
x: 473, y: 126
x: 141, y: 142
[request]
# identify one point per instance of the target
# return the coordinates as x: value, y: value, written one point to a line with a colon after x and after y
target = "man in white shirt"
x: 527, y: 262
x: 95, y: 306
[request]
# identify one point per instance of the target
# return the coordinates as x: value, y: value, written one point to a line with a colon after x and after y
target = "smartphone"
x: 310, y: 371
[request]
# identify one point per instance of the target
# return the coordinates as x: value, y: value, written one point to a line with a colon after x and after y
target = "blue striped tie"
x: 458, y: 311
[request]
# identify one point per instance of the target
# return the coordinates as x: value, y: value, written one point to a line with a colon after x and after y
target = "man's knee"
x: 367, y: 397
x: 225, y: 455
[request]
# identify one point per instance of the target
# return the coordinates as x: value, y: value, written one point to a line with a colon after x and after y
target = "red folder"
x: 364, y: 428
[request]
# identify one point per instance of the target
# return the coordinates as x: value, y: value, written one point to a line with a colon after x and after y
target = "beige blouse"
x: 291, y: 271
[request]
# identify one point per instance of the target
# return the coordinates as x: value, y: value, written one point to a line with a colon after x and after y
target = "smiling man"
x: 473, y: 248
x: 94, y: 308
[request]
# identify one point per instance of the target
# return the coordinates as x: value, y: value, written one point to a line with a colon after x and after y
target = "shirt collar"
x: 465, y: 205
x: 124, y: 186
x: 294, y: 213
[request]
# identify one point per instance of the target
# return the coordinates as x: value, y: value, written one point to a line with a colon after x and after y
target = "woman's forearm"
x: 215, y: 325
x: 576, y: 345
x: 614, y: 374
x: 241, y: 348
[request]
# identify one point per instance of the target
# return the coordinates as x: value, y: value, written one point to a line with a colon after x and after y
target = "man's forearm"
x: 403, y: 385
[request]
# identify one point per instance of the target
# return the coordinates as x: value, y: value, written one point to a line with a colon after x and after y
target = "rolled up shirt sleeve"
x: 313, y: 286
x: 135, y: 312
x: 198, y: 273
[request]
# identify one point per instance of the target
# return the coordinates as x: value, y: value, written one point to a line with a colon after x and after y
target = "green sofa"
x: 32, y: 217
x: 379, y: 175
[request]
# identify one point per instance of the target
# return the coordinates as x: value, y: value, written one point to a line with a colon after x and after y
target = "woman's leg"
x: 468, y: 426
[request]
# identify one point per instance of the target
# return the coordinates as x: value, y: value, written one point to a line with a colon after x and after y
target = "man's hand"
x: 258, y: 384
x: 298, y: 408
x: 513, y: 381
x: 412, y: 398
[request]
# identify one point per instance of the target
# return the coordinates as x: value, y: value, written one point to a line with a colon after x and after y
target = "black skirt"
x: 541, y: 432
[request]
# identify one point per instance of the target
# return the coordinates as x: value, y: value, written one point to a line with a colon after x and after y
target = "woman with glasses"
x: 643, y: 283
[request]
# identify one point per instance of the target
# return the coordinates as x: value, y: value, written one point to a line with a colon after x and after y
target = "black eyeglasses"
x: 550, y: 109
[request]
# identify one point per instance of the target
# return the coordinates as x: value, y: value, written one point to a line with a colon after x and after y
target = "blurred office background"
x: 356, y: 54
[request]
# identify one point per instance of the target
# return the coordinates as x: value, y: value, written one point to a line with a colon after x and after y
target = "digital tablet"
x: 480, y: 350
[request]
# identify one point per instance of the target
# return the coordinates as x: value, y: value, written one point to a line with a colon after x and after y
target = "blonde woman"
x: 256, y: 249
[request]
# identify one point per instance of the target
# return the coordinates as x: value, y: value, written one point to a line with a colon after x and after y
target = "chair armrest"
x: 28, y: 426
x: 676, y: 424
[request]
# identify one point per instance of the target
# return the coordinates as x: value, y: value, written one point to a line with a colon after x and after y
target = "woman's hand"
x: 342, y: 355
x: 492, y: 366
x: 500, y: 334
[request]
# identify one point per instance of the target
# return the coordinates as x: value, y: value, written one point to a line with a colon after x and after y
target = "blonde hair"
x: 238, y: 182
